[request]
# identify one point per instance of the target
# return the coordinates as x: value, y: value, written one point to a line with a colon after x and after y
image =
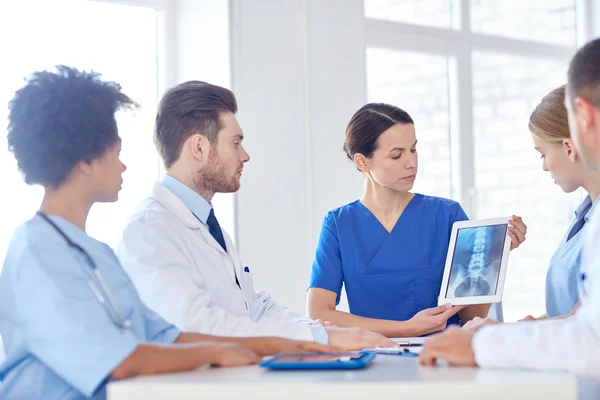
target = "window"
x: 117, y: 40
x: 424, y: 12
x: 508, y: 172
x: 417, y: 83
x: 543, y: 21
x: 494, y: 63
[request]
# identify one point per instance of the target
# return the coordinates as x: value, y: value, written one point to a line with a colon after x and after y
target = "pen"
x: 402, y: 353
x: 409, y: 344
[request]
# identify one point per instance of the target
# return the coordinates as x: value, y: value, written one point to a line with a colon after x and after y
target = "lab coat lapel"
x: 212, y: 241
x: 174, y: 204
x: 234, y: 261
x: 234, y: 256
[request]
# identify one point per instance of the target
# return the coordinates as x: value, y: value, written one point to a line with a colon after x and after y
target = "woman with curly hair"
x: 70, y: 317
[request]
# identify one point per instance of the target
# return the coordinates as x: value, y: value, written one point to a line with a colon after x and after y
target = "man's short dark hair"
x: 584, y: 73
x: 189, y: 108
x: 61, y: 118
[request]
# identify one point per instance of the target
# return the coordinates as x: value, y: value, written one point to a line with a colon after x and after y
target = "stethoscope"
x: 106, y: 300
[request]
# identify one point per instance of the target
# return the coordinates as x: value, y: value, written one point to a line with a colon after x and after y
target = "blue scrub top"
x: 60, y: 342
x: 387, y: 275
x: 562, y: 278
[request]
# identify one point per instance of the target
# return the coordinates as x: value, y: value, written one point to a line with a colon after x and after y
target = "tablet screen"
x: 476, y: 261
x: 312, y: 358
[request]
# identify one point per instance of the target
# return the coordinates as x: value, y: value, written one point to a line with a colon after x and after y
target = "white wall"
x: 588, y: 12
x: 282, y: 56
x: 196, y: 46
x: 594, y: 21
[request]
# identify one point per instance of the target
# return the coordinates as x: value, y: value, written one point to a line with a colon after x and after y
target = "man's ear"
x: 199, y: 146
x: 584, y: 113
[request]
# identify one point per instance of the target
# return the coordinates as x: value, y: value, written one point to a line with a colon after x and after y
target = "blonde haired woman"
x: 549, y: 128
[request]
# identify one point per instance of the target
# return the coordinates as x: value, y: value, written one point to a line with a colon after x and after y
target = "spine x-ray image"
x: 476, y: 263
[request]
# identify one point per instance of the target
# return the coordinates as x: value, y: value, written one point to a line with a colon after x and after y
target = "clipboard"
x: 350, y: 360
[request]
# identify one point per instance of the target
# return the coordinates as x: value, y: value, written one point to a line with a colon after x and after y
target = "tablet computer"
x: 476, y: 262
x: 351, y: 360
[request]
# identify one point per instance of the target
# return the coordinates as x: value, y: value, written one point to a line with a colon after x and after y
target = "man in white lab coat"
x: 184, y: 266
x: 571, y: 344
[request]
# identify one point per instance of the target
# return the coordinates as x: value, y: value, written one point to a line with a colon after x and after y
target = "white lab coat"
x: 181, y: 272
x: 571, y: 344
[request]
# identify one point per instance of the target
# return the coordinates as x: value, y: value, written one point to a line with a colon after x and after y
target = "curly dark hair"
x: 61, y: 118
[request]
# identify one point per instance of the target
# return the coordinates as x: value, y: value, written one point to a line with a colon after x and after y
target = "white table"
x: 395, y: 376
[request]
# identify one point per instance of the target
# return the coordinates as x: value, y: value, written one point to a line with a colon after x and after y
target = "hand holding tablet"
x: 433, y: 319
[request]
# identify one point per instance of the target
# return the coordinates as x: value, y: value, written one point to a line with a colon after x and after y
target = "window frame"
x: 166, y: 23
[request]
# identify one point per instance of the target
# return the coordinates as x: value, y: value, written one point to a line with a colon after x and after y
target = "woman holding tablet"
x: 388, y: 248
x: 70, y: 317
x: 549, y: 128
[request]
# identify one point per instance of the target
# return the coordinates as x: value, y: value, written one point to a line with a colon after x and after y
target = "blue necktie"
x: 215, y: 229
x: 579, y: 224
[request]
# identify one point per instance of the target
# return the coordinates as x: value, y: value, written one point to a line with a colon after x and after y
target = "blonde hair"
x: 549, y: 120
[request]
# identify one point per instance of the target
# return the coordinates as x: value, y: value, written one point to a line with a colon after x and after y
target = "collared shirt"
x: 201, y: 208
x: 562, y: 278
x: 60, y: 341
x: 197, y: 204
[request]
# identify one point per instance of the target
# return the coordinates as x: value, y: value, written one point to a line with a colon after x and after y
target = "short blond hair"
x: 549, y: 120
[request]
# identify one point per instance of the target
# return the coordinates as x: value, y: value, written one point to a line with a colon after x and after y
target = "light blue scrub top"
x: 563, y: 272
x: 60, y: 342
x: 387, y: 275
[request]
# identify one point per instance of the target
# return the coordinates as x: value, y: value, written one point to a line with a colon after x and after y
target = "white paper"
x: 396, y: 350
